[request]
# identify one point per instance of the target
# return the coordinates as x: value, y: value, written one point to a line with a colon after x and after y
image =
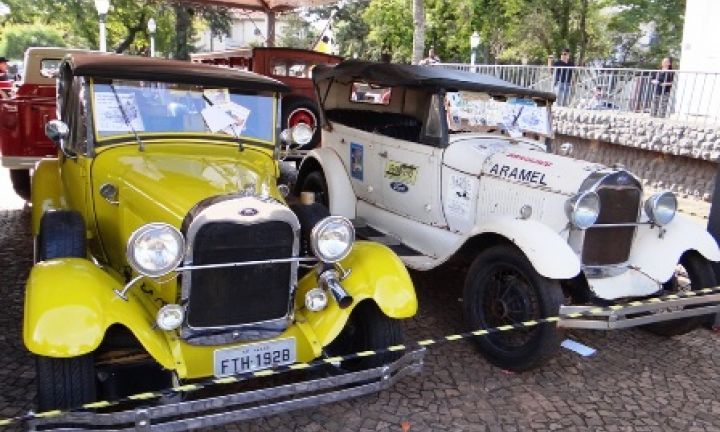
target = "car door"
x: 410, y: 179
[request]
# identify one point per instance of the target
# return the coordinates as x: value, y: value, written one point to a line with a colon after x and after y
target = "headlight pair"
x: 583, y: 210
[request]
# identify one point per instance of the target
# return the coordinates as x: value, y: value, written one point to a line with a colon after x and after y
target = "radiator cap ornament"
x: 248, y: 211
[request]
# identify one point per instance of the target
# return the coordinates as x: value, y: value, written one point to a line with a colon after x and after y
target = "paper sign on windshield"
x: 110, y: 117
x: 473, y: 112
x: 228, y: 117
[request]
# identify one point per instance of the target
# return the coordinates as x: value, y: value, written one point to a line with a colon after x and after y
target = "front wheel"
x: 64, y: 383
x: 692, y: 273
x: 503, y: 288
x: 20, y: 179
x: 367, y: 329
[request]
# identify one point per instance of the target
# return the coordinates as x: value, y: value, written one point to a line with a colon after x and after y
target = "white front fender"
x: 549, y: 253
x: 340, y: 192
x: 657, y: 256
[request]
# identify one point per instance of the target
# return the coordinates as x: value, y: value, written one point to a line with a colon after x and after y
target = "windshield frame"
x: 150, y: 137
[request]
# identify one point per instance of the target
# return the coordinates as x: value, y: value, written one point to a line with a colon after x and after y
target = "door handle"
x: 382, y: 154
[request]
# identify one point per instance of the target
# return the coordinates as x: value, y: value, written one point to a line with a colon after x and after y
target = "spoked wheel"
x: 502, y: 288
x: 693, y: 272
x: 367, y: 329
x: 315, y: 182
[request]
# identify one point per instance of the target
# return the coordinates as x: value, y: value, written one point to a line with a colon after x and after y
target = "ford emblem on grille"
x: 248, y: 212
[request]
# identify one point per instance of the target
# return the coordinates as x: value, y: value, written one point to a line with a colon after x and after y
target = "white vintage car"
x: 441, y: 164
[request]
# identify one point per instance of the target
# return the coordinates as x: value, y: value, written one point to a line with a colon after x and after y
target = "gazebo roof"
x: 266, y: 5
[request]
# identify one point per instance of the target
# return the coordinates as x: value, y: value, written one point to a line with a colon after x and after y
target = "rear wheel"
x: 64, y: 383
x: 502, y: 288
x: 367, y: 329
x: 20, y: 179
x: 693, y: 272
x: 315, y: 182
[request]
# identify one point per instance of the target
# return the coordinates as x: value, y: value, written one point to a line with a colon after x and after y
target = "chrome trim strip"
x: 653, y: 312
x: 219, y: 410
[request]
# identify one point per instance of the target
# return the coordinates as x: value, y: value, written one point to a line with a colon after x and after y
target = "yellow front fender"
x: 69, y: 305
x: 376, y: 274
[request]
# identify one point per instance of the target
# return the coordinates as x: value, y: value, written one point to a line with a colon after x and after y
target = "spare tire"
x: 302, y: 110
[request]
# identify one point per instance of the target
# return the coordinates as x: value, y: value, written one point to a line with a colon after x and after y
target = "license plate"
x: 252, y: 357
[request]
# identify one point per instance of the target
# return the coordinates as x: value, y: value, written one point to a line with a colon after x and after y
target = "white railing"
x: 686, y: 97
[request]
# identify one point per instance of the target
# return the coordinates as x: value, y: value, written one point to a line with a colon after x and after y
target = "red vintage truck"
x: 292, y: 66
x: 23, y: 114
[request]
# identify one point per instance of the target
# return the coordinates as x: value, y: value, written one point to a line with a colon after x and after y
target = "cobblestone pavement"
x: 636, y: 381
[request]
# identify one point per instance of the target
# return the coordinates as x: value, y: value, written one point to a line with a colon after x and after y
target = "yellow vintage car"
x: 166, y: 252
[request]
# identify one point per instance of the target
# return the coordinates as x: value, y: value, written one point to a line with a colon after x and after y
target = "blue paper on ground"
x: 579, y: 348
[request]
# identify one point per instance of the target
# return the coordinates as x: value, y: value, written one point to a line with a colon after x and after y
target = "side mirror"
x: 57, y: 131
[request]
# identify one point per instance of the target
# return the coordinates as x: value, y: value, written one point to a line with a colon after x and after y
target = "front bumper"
x: 218, y: 410
x: 638, y: 313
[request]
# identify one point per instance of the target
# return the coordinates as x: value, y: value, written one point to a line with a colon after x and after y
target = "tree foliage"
x: 126, y: 21
x: 16, y: 38
x: 298, y: 33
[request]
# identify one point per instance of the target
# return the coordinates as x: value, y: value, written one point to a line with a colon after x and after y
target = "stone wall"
x: 664, y: 153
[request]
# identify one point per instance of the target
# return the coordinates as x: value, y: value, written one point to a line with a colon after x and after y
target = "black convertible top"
x: 431, y: 77
x: 174, y: 71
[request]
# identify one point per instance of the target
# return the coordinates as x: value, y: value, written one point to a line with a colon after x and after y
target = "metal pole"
x: 152, y: 44
x: 713, y: 227
x: 103, y: 43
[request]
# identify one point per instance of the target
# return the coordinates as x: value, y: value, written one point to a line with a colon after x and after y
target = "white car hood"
x: 521, y: 162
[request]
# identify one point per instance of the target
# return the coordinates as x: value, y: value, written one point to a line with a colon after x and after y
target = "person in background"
x: 431, y: 58
x: 662, y: 84
x: 4, y: 76
x: 562, y: 76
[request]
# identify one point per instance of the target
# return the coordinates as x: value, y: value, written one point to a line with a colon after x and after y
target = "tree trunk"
x: 419, y: 31
x: 583, y: 32
x: 183, y: 30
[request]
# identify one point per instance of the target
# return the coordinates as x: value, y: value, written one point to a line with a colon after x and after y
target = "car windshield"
x: 142, y: 107
x: 479, y: 112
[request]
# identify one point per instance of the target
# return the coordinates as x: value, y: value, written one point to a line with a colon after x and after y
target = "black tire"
x: 64, y: 383
x: 502, y: 278
x: 20, y: 179
x: 315, y: 182
x: 296, y: 110
x: 308, y: 215
x: 62, y: 235
x: 699, y: 273
x: 367, y: 329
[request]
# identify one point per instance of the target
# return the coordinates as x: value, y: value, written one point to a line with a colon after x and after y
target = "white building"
x: 248, y: 29
x: 698, y: 94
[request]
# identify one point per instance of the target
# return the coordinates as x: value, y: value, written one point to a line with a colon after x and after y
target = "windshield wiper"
x: 126, y: 118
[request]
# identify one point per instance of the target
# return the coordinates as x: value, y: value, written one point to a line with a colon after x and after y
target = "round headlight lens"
x: 301, y: 133
x: 332, y: 238
x: 584, y: 209
x: 316, y: 300
x: 155, y: 249
x: 661, y: 207
x: 170, y: 317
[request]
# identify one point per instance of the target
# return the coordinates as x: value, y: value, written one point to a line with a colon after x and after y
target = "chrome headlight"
x: 301, y: 134
x: 316, y: 300
x: 332, y: 238
x: 583, y: 209
x: 155, y: 249
x: 170, y: 317
x: 661, y: 207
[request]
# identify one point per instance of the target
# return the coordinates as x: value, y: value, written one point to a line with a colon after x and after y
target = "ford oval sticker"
x: 399, y: 187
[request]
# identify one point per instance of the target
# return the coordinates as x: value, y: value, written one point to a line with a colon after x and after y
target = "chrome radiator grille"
x: 232, y: 296
x: 620, y: 197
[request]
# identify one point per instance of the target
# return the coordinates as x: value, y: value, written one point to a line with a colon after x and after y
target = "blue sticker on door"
x: 356, y: 161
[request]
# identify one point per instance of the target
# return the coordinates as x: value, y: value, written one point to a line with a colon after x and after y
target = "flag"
x: 326, y: 41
